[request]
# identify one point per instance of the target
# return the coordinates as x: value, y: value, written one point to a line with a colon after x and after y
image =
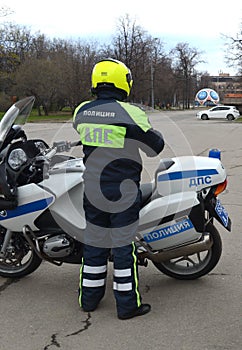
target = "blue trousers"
x: 114, y: 232
x: 93, y: 273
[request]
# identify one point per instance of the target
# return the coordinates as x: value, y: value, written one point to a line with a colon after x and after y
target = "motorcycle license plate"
x: 222, y: 213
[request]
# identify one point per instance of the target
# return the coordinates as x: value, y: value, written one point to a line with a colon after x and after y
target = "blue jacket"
x: 112, y: 133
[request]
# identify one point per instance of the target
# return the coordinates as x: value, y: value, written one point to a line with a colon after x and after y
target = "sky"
x: 201, y: 24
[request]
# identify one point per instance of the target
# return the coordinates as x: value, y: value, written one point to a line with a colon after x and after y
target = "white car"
x: 224, y: 112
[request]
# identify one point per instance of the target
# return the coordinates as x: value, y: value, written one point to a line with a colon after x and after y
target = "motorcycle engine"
x: 57, y: 247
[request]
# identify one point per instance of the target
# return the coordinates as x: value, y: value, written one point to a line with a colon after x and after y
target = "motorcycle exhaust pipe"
x: 193, y: 248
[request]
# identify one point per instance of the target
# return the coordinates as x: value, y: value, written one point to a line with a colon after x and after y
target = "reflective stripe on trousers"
x: 94, y: 270
x: 125, y: 279
x: 93, y: 274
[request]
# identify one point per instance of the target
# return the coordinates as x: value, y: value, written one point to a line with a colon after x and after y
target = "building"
x: 228, y: 87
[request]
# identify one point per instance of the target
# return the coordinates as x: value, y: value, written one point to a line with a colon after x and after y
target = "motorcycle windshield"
x: 17, y: 114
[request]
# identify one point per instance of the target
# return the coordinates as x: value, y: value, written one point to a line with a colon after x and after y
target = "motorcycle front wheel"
x: 191, y: 267
x: 19, y: 260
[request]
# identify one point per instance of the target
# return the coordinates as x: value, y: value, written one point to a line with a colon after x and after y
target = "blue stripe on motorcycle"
x: 26, y: 208
x: 178, y: 175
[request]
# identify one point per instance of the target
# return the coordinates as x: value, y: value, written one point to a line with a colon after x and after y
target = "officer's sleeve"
x: 151, y: 141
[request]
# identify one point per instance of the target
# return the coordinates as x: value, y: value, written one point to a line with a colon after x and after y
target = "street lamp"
x: 152, y: 72
x: 152, y: 84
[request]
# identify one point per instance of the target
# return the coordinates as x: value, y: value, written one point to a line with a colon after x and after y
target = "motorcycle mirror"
x: 16, y: 132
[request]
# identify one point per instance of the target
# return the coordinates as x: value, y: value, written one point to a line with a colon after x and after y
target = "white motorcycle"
x: 40, y: 189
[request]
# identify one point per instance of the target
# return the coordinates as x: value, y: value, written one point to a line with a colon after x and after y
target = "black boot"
x: 142, y: 310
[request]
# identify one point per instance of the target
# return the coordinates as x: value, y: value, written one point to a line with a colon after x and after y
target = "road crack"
x: 7, y: 283
x: 236, y: 166
x: 53, y: 342
x: 224, y: 274
x: 87, y: 324
x: 218, y: 274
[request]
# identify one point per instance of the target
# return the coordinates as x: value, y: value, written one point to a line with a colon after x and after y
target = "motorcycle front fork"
x: 6, y: 242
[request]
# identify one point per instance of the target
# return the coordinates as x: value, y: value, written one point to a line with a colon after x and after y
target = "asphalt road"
x: 41, y: 312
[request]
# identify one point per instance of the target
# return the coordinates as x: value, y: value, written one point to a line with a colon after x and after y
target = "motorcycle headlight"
x: 17, y: 158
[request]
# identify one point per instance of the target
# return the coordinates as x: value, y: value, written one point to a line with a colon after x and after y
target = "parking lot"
x: 41, y: 312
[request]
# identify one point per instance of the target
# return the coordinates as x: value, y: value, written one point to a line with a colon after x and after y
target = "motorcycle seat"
x: 164, y: 165
x: 146, y: 192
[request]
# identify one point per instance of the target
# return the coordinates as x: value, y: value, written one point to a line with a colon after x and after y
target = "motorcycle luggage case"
x: 171, y: 223
x: 189, y: 173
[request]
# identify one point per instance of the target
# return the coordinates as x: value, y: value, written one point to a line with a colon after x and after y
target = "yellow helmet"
x: 111, y: 72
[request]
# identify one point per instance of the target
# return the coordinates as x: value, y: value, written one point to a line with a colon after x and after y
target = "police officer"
x: 112, y: 133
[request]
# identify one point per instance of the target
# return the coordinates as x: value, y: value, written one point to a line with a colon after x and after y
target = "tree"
x: 143, y: 54
x: 164, y: 83
x: 130, y: 44
x: 75, y: 61
x: 58, y: 71
x: 5, y: 11
x: 185, y: 61
x: 15, y: 45
x: 38, y: 77
x: 233, y: 55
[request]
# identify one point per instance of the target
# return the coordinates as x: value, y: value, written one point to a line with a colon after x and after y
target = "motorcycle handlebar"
x: 76, y: 143
x: 65, y: 146
x: 61, y: 146
x: 51, y: 153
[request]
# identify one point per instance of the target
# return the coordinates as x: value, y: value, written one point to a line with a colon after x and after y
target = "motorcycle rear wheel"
x: 20, y: 259
x: 197, y: 265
